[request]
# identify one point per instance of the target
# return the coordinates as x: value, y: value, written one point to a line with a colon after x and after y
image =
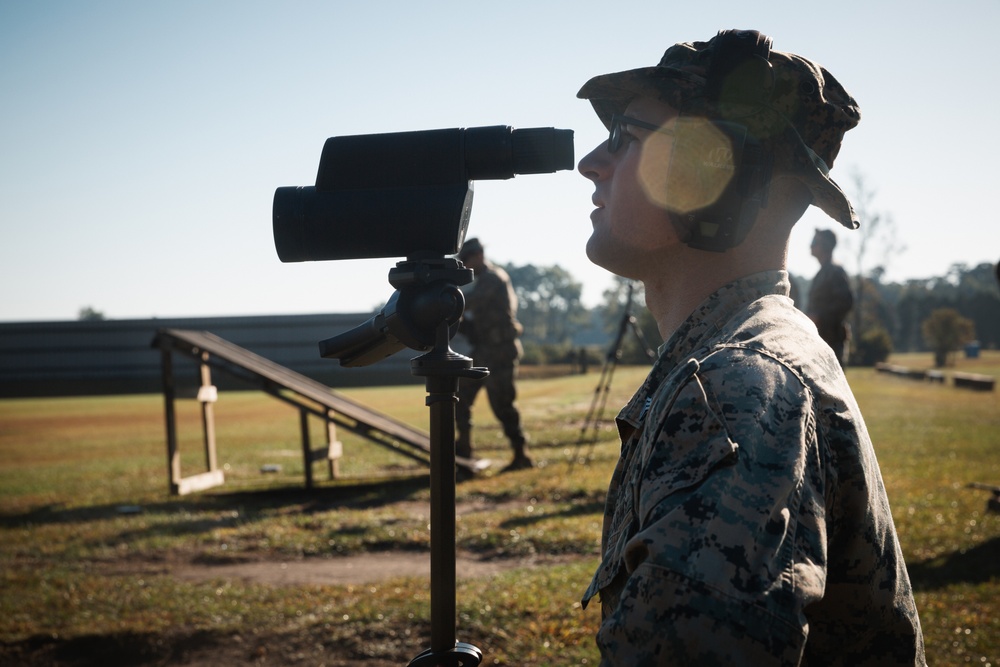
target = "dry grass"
x: 80, y: 577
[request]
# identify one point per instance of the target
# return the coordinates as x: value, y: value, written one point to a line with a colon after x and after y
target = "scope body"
x: 405, y: 194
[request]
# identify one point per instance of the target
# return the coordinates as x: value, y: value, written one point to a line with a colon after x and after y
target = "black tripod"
x: 595, y: 415
x: 423, y: 314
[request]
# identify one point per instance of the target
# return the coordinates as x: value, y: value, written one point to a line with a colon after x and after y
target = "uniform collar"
x: 698, y: 332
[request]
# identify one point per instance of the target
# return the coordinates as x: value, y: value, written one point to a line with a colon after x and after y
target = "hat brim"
x: 611, y: 93
x: 826, y: 194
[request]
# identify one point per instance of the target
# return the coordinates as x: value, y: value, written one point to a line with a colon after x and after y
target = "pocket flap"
x: 689, y: 444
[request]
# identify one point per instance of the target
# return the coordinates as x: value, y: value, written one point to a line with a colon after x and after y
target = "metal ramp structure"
x: 312, y: 398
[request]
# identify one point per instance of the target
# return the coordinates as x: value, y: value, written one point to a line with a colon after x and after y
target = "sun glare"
x: 699, y: 159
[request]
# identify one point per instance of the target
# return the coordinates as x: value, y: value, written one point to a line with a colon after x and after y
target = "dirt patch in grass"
x: 362, y: 568
x: 313, y: 645
x: 356, y: 569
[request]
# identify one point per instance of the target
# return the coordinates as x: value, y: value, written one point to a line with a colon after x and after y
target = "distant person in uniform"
x: 793, y: 292
x: 830, y: 297
x: 746, y: 522
x: 491, y: 327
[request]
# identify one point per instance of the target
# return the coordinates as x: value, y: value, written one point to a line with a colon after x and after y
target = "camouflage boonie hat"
x: 802, y: 112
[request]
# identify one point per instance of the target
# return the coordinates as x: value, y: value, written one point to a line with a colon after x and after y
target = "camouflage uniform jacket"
x: 491, y: 307
x: 746, y: 521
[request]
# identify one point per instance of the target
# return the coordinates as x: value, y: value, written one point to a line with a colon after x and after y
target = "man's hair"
x: 826, y: 238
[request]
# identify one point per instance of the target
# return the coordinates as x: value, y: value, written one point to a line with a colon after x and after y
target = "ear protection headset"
x: 739, y: 77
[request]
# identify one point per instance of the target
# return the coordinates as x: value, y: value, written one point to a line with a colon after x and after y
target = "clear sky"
x: 141, y: 142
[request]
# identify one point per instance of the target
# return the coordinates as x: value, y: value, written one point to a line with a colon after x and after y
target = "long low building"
x: 92, y: 357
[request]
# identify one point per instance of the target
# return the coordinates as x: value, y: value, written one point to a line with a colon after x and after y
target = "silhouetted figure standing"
x: 830, y: 297
x: 491, y: 326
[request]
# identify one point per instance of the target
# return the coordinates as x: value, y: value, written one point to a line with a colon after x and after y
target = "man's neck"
x: 672, y: 300
x: 823, y: 257
x: 686, y: 280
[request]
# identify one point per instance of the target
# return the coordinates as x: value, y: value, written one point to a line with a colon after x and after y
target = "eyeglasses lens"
x: 615, y: 137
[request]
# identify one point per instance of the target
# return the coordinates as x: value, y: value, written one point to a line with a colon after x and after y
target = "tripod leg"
x: 604, y: 384
x: 445, y: 650
x: 588, y: 420
x: 441, y: 401
x: 650, y: 354
x: 600, y: 413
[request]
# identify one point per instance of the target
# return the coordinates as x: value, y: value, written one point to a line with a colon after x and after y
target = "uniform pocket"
x: 690, y: 442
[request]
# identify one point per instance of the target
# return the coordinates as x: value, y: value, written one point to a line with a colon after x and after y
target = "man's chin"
x: 594, y: 248
x: 609, y: 258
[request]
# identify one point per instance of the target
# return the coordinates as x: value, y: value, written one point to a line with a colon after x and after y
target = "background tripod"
x: 591, y: 425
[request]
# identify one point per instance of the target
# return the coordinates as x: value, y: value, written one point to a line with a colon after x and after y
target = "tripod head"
x: 427, y: 297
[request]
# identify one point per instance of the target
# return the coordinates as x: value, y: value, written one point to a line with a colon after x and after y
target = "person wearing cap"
x: 746, y: 520
x: 830, y: 297
x: 490, y: 324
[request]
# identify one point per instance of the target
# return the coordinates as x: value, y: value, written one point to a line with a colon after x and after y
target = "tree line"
x: 939, y: 315
x: 913, y: 316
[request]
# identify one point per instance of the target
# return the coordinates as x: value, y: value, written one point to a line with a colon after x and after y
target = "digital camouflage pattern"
x: 746, y: 521
x: 491, y: 309
x: 493, y: 330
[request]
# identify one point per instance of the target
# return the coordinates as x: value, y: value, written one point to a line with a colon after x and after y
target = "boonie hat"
x: 801, y: 111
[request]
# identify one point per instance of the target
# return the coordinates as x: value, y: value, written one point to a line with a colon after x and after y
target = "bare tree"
x: 877, y: 235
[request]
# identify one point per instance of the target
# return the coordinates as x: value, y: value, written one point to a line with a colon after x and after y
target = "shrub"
x: 873, y: 346
x: 945, y: 331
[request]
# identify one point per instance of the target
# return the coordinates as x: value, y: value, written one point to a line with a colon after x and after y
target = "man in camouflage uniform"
x: 746, y: 521
x: 830, y: 297
x: 491, y: 326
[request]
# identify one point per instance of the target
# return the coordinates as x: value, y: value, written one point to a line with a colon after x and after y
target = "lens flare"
x: 688, y: 170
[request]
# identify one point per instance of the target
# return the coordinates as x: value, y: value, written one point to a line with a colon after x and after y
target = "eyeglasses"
x: 618, y: 121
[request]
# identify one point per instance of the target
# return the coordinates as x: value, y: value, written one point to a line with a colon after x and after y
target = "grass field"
x: 92, y: 546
